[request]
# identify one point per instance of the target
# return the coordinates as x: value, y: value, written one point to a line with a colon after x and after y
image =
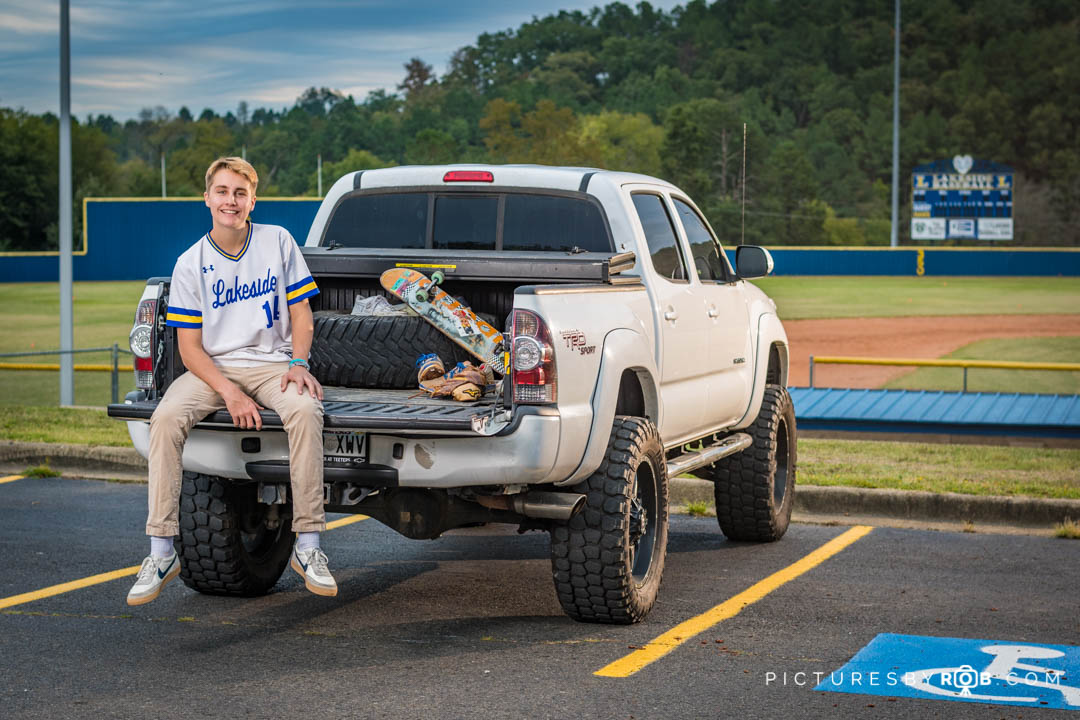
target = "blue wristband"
x: 301, y: 362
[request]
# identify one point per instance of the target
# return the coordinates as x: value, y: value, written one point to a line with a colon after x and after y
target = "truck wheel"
x: 608, y: 559
x: 369, y: 351
x: 227, y: 546
x: 755, y: 489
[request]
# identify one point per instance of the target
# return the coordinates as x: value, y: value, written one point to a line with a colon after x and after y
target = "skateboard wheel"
x: 421, y: 296
x: 437, y: 277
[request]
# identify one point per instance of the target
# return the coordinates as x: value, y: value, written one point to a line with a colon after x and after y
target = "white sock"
x: 307, y: 540
x: 161, y: 547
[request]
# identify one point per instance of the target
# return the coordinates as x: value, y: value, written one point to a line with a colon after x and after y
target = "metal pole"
x: 163, y: 174
x: 894, y: 235
x: 115, y: 373
x: 742, y: 230
x: 320, y: 174
x: 811, y: 371
x: 965, y: 379
x: 67, y: 366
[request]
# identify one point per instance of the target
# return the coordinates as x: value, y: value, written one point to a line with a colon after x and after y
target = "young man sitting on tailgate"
x: 239, y: 303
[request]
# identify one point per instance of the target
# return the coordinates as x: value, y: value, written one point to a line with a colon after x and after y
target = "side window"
x: 704, y: 249
x: 667, y: 258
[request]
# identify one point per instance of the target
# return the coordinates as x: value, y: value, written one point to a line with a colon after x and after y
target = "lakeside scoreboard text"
x: 962, y: 198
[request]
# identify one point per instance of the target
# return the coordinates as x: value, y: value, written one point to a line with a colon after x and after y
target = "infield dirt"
x: 904, y: 337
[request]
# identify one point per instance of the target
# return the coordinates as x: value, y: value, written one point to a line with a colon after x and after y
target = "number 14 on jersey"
x: 271, y: 316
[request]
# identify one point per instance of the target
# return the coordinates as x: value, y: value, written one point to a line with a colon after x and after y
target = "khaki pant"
x: 188, y: 400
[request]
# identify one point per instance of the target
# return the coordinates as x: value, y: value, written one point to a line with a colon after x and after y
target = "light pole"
x: 67, y: 366
x: 894, y: 234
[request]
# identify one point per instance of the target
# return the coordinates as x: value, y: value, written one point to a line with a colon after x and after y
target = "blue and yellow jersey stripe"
x: 183, y: 318
x: 301, y: 290
x: 237, y: 256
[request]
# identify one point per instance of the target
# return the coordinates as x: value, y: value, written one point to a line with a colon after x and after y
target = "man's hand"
x: 244, y: 410
x: 299, y: 374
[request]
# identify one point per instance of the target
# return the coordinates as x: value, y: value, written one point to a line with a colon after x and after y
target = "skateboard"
x: 450, y: 317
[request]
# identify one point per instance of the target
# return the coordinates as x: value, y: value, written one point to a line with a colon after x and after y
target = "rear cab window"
x: 442, y: 220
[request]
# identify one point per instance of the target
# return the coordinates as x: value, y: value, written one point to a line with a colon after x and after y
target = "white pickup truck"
x: 637, y: 354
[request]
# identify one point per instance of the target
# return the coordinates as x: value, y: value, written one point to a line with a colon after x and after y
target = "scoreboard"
x: 962, y: 198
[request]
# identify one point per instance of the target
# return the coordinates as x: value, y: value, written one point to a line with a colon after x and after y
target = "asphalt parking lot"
x: 468, y: 625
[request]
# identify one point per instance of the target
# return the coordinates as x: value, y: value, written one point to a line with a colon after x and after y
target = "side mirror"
x: 752, y: 261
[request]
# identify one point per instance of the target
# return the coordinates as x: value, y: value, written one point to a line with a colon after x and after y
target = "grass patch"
x: 1070, y: 529
x: 1059, y: 349
x: 804, y: 297
x: 40, y: 471
x: 969, y: 469
x: 698, y: 508
x: 103, y: 313
x: 78, y: 426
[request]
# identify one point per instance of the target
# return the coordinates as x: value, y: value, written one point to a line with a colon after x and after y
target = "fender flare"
x: 624, y: 349
x: 770, y: 331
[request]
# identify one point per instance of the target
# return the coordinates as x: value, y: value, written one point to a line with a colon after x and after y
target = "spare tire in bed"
x: 375, y: 351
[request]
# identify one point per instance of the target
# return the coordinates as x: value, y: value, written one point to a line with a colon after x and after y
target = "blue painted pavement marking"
x: 997, y: 672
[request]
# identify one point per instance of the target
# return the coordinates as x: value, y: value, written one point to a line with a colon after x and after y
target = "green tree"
x: 702, y: 147
x: 624, y: 142
x: 353, y: 161
x: 431, y: 147
x: 185, y: 169
x: 797, y: 216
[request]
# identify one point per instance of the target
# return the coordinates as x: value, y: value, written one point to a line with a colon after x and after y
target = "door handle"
x: 713, y: 312
x: 670, y: 314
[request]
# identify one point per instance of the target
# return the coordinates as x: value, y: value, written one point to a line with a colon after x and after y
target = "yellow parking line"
x: 10, y: 478
x: 116, y: 574
x: 662, y: 645
x: 67, y: 587
x: 345, y: 521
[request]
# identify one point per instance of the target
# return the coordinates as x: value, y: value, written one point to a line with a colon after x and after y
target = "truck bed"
x: 354, y: 409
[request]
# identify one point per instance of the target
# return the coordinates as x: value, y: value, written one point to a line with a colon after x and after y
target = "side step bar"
x: 708, y: 455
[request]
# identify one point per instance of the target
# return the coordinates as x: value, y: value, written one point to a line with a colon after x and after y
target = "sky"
x: 127, y: 55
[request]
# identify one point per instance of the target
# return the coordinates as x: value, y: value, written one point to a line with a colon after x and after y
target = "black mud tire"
x: 367, y: 351
x: 607, y: 561
x: 225, y: 546
x: 755, y: 489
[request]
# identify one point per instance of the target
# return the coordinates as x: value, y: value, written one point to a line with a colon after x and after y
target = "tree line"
x: 804, y: 86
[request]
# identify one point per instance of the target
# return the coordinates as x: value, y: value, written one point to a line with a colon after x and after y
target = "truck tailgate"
x: 361, y: 409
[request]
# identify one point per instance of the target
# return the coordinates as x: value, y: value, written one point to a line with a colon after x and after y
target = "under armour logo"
x: 207, y: 269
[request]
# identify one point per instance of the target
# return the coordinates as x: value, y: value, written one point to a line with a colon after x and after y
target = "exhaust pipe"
x: 537, y: 504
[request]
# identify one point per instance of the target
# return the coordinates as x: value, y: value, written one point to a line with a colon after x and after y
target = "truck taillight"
x: 532, y: 360
x: 141, y: 342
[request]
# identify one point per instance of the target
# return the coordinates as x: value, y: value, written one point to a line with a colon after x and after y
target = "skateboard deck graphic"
x: 450, y: 317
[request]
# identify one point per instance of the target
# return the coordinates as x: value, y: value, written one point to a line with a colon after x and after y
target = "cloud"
x: 129, y: 54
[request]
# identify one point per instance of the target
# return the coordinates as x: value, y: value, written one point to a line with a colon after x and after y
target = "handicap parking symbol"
x: 981, y: 671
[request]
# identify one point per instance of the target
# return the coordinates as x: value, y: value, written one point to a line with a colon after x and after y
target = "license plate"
x: 344, y: 446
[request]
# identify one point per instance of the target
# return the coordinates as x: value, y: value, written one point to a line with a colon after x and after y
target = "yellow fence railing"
x: 919, y: 362
x: 114, y: 367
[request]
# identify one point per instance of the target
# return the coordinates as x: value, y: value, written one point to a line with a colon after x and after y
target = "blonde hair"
x: 239, y: 166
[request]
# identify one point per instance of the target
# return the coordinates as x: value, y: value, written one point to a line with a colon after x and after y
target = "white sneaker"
x: 153, y: 575
x: 311, y: 565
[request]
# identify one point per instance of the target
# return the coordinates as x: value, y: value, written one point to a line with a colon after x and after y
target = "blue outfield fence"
x: 920, y: 261
x: 136, y: 238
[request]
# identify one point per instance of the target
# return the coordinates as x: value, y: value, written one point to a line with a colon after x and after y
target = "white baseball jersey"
x: 240, y: 302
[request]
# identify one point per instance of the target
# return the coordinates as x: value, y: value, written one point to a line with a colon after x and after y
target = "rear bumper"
x: 524, y: 453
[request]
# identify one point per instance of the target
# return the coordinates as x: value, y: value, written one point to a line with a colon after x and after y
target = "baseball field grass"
x: 103, y: 313
x: 801, y: 298
x: 1044, y: 350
